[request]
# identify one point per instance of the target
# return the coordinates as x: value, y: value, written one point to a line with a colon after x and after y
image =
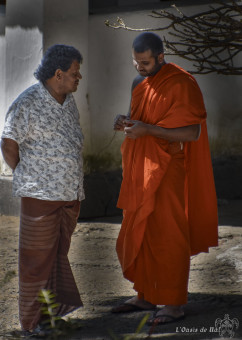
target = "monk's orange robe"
x: 167, y: 194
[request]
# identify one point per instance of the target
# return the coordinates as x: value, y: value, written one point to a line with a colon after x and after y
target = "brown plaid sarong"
x: 44, y: 241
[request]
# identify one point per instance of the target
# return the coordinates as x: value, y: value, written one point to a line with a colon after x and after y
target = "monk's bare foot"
x: 167, y: 314
x: 133, y: 305
x: 140, y: 303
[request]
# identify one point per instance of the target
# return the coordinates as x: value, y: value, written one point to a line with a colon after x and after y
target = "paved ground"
x: 215, y: 286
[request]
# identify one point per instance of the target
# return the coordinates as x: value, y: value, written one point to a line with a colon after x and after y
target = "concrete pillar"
x: 2, y: 66
x: 24, y: 42
x: 66, y: 22
x: 21, y: 53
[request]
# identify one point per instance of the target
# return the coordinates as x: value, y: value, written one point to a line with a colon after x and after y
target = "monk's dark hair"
x: 56, y: 57
x: 148, y: 41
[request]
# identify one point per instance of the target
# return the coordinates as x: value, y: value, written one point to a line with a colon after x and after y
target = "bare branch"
x: 211, y: 40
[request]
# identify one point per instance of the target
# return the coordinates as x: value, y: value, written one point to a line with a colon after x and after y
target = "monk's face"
x: 146, y: 64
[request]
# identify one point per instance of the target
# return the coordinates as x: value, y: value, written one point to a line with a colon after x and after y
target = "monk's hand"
x: 119, y: 124
x: 135, y: 128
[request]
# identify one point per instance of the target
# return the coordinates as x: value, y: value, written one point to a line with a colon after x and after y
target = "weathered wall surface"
x: 21, y: 50
x: 2, y: 69
x: 66, y: 22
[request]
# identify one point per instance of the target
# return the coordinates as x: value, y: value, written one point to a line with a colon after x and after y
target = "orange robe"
x: 167, y: 194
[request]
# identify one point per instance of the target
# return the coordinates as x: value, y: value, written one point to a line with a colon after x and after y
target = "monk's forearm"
x: 181, y: 134
x: 10, y: 151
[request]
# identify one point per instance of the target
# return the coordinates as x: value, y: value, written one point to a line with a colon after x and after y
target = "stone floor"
x: 215, y: 285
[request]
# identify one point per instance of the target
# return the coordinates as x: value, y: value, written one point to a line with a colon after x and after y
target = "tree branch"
x: 211, y: 39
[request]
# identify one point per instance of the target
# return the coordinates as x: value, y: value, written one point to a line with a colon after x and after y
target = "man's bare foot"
x: 167, y: 314
x: 140, y: 303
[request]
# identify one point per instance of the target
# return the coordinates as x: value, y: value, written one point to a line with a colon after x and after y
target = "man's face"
x: 146, y: 64
x: 70, y: 78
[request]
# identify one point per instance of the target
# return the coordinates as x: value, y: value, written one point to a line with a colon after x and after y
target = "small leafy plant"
x: 54, y: 325
x: 137, y: 332
x: 47, y: 298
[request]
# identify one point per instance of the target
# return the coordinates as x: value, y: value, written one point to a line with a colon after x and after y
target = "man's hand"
x: 119, y: 123
x: 135, y: 128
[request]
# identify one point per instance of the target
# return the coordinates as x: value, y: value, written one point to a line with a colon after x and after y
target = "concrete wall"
x: 23, y: 34
x: 21, y: 51
x: 66, y: 22
x: 2, y: 64
x: 27, y: 29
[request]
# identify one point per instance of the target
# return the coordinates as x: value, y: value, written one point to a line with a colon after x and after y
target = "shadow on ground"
x: 214, y: 285
x: 202, y: 311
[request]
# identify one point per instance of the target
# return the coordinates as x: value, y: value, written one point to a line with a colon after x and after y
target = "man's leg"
x: 62, y: 281
x: 39, y: 253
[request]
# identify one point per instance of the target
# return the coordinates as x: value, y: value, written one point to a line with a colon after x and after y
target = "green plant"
x: 54, y: 325
x: 47, y: 298
x: 137, y: 332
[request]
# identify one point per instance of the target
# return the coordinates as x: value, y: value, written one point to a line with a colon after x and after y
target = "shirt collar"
x: 50, y: 98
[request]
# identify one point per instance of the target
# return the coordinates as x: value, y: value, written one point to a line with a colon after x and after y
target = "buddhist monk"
x: 167, y: 194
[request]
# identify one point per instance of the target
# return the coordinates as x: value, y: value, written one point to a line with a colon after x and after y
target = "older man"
x: 42, y: 142
x: 167, y: 194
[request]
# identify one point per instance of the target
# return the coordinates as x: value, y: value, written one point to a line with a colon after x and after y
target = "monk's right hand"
x: 119, y: 122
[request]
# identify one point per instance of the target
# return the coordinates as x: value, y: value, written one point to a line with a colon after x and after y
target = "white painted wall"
x: 110, y: 76
x: 2, y: 76
x: 23, y: 34
x: 23, y: 54
x: 66, y: 22
x: 2, y: 68
x: 21, y: 51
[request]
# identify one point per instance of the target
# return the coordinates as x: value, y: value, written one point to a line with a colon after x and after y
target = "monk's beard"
x: 155, y: 69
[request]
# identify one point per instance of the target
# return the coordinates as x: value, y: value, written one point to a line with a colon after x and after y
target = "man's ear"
x: 160, y: 58
x: 58, y: 74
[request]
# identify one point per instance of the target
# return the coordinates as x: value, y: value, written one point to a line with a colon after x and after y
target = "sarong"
x: 44, y: 241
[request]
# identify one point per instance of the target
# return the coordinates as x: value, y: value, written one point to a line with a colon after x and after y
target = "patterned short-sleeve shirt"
x: 50, y: 146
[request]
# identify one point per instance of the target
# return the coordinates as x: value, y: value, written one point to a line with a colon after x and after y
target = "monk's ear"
x: 160, y: 58
x: 58, y: 74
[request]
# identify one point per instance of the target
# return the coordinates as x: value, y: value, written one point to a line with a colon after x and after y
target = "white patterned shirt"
x: 50, y: 146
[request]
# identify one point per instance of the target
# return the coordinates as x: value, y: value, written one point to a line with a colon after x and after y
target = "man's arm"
x: 10, y: 151
x: 181, y: 134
